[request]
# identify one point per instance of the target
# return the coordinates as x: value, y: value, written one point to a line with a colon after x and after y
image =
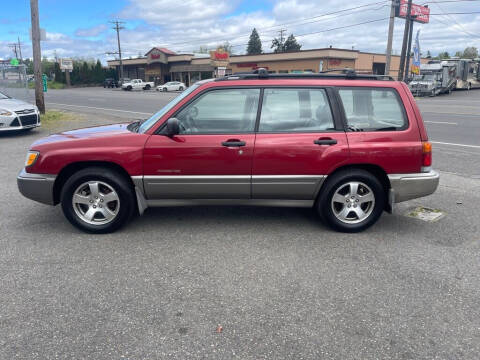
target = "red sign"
x: 421, y: 13
x: 220, y: 55
x: 247, y: 65
x: 155, y: 56
x: 334, y: 62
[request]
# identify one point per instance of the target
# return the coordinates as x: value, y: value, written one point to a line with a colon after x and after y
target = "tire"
x: 110, y: 185
x: 164, y: 89
x: 469, y: 86
x: 129, y: 88
x: 180, y: 88
x: 432, y: 94
x: 340, y: 185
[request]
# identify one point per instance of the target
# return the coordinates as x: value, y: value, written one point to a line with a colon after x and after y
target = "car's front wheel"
x: 351, y: 200
x: 164, y: 89
x: 97, y: 200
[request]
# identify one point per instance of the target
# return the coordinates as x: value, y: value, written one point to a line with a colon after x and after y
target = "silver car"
x: 17, y: 114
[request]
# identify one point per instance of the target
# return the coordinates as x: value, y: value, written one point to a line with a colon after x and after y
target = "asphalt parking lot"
x: 279, y: 283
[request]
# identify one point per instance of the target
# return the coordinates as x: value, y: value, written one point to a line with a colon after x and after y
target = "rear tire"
x: 351, y: 201
x: 99, y: 211
x: 147, y: 87
x: 180, y: 88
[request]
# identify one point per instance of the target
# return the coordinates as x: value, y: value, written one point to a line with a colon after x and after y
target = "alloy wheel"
x: 96, y: 203
x: 353, y: 202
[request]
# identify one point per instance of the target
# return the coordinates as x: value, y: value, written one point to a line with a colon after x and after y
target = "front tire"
x: 164, y: 89
x: 351, y: 201
x: 98, y: 200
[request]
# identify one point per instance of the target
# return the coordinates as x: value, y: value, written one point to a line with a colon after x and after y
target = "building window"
x: 283, y: 71
x: 308, y: 71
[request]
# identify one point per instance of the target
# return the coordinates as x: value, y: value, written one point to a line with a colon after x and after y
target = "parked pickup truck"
x: 137, y: 84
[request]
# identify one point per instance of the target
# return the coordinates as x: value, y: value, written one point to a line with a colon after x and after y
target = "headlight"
x: 4, y: 112
x: 31, y: 158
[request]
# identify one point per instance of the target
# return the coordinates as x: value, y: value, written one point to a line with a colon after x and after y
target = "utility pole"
x: 13, y: 46
x: 37, y: 57
x: 20, y: 49
x: 117, y: 28
x: 391, y: 25
x: 407, y: 62
x: 281, y: 31
x: 405, y: 38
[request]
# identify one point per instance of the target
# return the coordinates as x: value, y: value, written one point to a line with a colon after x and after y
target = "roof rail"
x: 347, y: 73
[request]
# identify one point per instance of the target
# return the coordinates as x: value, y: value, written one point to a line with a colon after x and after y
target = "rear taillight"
x: 426, y: 155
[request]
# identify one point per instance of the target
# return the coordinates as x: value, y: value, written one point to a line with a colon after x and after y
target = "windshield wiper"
x: 134, y: 126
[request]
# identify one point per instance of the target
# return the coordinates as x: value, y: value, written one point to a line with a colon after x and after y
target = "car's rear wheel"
x: 97, y: 200
x: 351, y: 200
x: 147, y: 87
x: 180, y: 88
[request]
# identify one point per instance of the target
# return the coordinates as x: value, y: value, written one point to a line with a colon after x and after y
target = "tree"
x: 254, y: 46
x: 443, y: 55
x: 470, y: 52
x: 228, y: 47
x: 291, y: 44
x: 459, y: 54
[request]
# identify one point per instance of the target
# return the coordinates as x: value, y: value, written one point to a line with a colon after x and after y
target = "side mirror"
x: 173, y: 127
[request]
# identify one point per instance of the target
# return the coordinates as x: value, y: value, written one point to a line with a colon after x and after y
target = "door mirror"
x: 173, y: 127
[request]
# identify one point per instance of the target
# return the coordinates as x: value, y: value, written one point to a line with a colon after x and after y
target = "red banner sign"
x: 421, y: 13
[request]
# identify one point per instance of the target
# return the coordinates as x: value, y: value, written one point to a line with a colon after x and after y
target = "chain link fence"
x: 15, y: 82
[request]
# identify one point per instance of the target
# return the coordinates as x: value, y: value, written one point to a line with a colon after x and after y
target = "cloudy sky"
x: 82, y: 28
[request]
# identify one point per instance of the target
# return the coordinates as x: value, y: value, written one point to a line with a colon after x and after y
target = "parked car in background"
x: 172, y: 86
x: 137, y: 84
x: 17, y: 114
x: 122, y: 81
x: 349, y: 146
x: 110, y: 83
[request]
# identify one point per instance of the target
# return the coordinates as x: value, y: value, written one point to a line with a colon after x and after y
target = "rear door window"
x: 295, y: 110
x: 373, y: 109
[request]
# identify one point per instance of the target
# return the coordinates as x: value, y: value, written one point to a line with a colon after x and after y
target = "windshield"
x: 154, y: 118
x: 3, y: 96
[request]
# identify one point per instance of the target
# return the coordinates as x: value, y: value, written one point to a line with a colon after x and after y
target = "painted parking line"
x: 447, y: 113
x: 99, y: 108
x: 441, y: 122
x: 453, y: 144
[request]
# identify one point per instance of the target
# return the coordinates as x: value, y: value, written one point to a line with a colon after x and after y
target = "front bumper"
x: 14, y: 122
x: 38, y: 187
x: 411, y: 186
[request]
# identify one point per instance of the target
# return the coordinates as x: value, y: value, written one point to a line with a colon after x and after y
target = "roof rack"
x: 347, y: 73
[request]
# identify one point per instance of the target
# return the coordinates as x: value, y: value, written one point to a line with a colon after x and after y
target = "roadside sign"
x: 66, y: 64
x: 43, y: 34
x: 421, y: 13
x: 44, y: 81
x: 14, y: 62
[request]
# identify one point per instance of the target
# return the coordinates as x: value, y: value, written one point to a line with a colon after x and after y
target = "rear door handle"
x: 234, y: 143
x: 325, y: 142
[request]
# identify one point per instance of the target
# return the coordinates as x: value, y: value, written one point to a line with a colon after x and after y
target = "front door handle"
x: 234, y: 143
x: 325, y: 142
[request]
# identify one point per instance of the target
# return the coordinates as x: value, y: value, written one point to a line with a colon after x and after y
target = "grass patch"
x: 50, y: 85
x: 53, y: 118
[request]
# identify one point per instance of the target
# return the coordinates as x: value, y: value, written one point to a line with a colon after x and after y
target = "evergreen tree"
x: 291, y: 44
x: 254, y: 44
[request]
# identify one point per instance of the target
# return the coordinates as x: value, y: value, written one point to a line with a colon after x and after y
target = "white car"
x: 172, y: 86
x: 17, y: 114
x: 137, y: 84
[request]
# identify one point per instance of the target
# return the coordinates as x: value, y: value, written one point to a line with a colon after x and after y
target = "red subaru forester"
x: 348, y: 145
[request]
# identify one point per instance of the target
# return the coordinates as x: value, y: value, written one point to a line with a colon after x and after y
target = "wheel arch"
x: 375, y: 170
x: 72, y: 168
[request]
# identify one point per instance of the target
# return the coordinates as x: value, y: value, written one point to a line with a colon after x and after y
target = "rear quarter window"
x: 368, y: 109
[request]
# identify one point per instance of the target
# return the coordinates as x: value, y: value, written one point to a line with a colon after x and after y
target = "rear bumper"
x: 38, y: 187
x: 411, y: 186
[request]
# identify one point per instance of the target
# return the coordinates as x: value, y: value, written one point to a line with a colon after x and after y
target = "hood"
x: 15, y: 105
x: 98, y: 132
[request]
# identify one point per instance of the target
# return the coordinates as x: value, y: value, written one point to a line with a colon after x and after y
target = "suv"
x: 110, y: 83
x: 348, y: 145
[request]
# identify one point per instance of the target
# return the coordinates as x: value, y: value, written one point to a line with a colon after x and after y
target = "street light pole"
x: 407, y: 65
x: 37, y: 57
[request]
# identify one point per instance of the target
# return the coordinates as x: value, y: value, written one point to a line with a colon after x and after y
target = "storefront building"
x: 162, y: 65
